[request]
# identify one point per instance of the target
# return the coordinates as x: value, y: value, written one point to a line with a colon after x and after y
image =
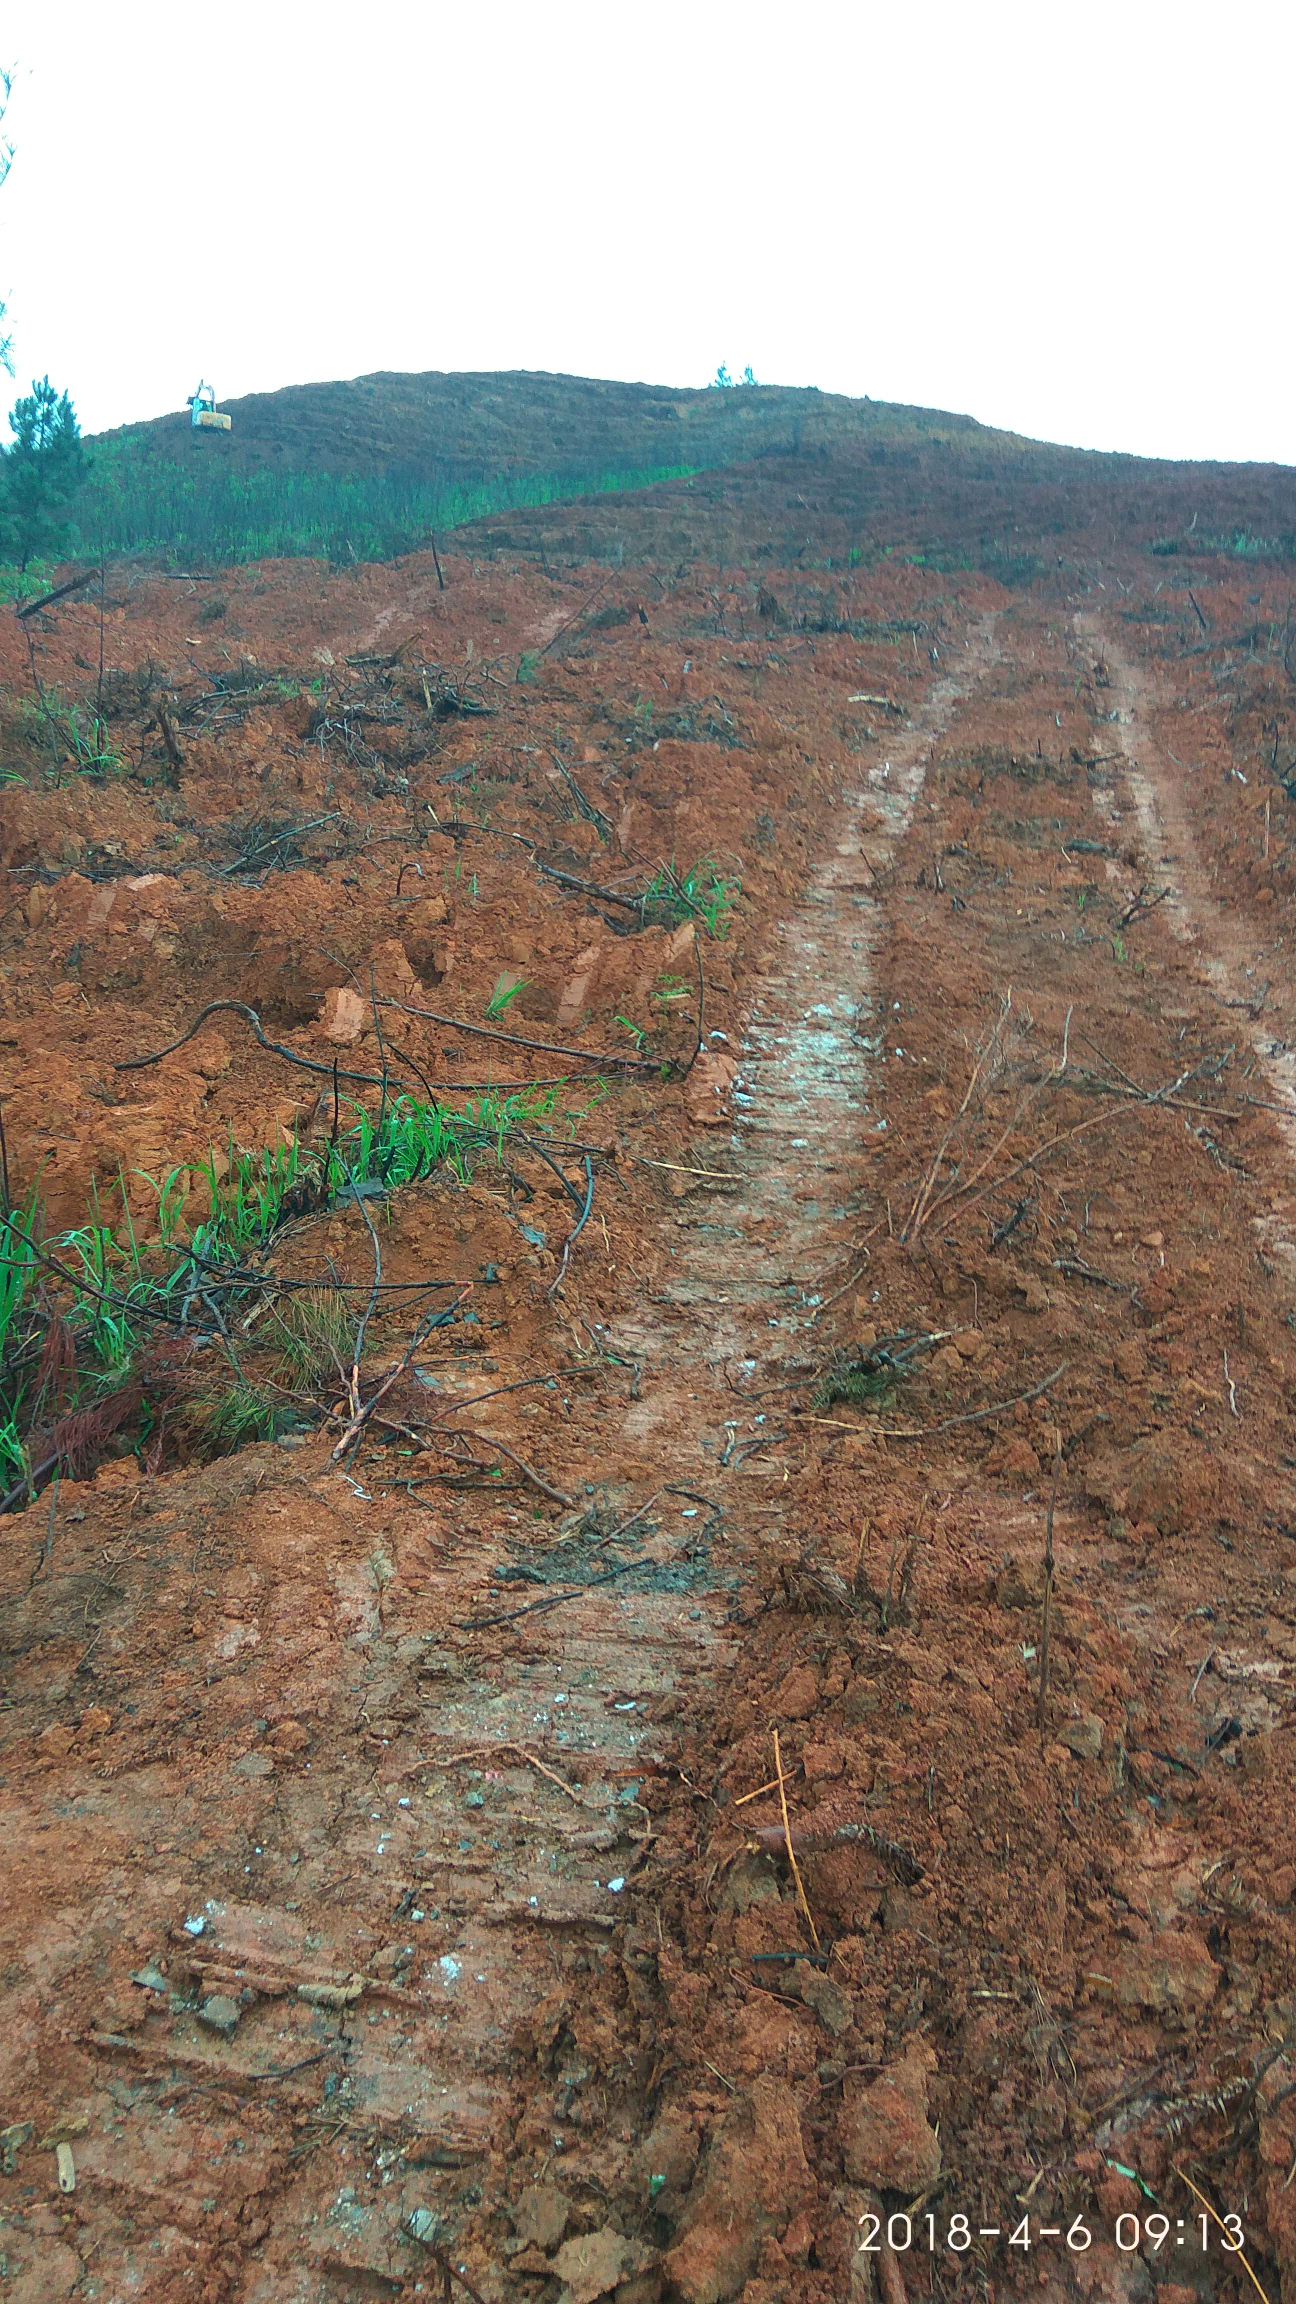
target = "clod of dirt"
x: 889, y: 2141
x: 752, y: 1880
x: 664, y: 2163
x: 1173, y: 1974
x: 598, y: 2262
x: 754, y: 2181
x: 797, y: 1696
x: 342, y: 1013
x: 541, y: 2216
x: 1171, y: 1483
x: 1019, y: 1461
x: 706, y: 1088
x: 1019, y: 1583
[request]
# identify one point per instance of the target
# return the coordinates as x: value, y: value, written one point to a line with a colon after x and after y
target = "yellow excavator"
x: 203, y: 412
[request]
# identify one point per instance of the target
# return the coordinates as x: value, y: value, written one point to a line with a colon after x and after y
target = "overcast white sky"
x: 1074, y: 221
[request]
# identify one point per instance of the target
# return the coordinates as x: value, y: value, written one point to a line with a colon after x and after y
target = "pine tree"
x: 40, y: 472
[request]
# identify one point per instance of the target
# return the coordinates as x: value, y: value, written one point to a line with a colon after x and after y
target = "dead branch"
x: 575, y: 1233
x: 534, y: 1607
x: 1140, y: 906
x: 571, y: 880
x: 47, y: 599
x: 515, y: 1039
x: 948, y: 1423
x: 987, y: 1056
x: 902, y: 1863
x: 528, y: 1471
x: 361, y: 1415
x: 251, y: 1018
x: 591, y: 814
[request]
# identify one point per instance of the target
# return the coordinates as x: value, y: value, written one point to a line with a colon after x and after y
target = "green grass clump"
x: 703, y: 893
x: 864, y: 1382
x: 869, y: 1377
x: 76, y: 739
x: 18, y: 1273
x: 210, y: 512
x: 240, y: 1415
x: 503, y: 994
x: 315, y: 1336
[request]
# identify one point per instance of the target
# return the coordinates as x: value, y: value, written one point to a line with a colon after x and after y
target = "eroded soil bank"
x: 397, y: 1887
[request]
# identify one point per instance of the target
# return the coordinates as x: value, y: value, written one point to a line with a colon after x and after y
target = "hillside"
x: 649, y: 1617
x: 373, y: 467
x: 367, y: 468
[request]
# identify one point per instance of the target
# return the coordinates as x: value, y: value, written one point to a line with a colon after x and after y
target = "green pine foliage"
x: 40, y: 473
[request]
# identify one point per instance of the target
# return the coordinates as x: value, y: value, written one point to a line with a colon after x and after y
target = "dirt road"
x: 380, y: 1911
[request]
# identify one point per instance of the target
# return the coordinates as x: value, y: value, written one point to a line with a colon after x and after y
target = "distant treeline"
x: 130, y: 503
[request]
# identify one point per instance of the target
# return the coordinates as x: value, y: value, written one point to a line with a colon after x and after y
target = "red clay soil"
x: 399, y: 1894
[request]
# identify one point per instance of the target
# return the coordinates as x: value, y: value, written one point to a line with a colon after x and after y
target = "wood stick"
x: 1218, y: 2219
x: 947, y: 1424
x: 558, y: 1495
x: 1046, y: 1626
x: 772, y: 1786
x: 838, y: 1292
x: 791, y: 1852
x: 487, y: 1752
x: 717, y: 1175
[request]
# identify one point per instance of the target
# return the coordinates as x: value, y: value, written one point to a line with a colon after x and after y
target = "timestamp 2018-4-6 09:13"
x: 928, y: 2234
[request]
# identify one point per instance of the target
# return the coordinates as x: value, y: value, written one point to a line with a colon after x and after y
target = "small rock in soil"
x: 1083, y: 1737
x: 220, y: 2014
x: 254, y: 1764
x: 830, y: 2004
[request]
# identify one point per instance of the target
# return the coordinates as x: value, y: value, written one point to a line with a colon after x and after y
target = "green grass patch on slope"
x: 80, y: 1309
x: 133, y: 504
